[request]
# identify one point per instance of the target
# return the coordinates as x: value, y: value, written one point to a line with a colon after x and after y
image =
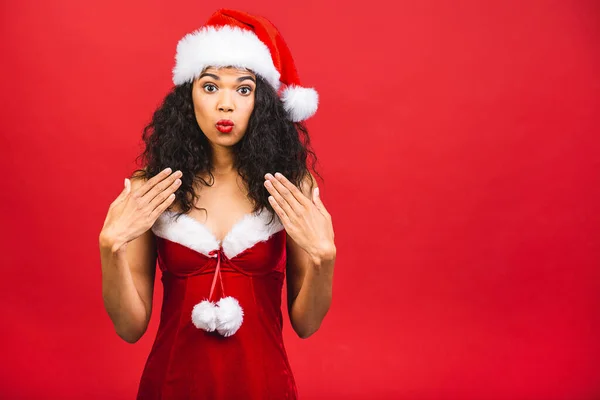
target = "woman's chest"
x: 254, y: 245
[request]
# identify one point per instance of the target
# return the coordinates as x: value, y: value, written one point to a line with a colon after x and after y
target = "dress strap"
x: 219, y: 254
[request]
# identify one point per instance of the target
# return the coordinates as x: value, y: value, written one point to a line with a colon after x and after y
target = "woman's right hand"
x: 134, y: 212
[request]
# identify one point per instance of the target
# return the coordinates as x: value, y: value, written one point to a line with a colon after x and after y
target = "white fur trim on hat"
x: 300, y: 102
x: 221, y: 47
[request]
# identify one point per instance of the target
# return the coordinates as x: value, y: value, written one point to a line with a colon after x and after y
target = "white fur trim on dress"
x: 251, y: 229
x: 301, y: 103
x: 221, y: 47
x: 187, y: 231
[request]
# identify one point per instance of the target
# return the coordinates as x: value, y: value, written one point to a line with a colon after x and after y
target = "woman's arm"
x: 128, y: 281
x: 309, y: 289
x: 309, y: 281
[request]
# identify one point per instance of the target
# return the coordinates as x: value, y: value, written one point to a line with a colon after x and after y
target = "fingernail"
x: 278, y: 175
x: 317, y: 192
x: 168, y: 170
x: 269, y: 176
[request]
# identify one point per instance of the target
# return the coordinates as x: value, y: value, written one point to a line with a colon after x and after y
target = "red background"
x: 459, y: 146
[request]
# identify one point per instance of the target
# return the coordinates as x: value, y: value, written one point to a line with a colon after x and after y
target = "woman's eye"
x: 246, y: 89
x: 209, y: 85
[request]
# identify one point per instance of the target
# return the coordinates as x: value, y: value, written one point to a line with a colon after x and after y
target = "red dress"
x: 190, y: 363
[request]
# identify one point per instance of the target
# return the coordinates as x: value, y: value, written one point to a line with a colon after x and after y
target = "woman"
x: 227, y: 205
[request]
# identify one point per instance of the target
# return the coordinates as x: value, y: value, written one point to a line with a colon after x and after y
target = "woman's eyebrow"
x: 215, y: 77
x: 211, y: 75
x: 242, y: 78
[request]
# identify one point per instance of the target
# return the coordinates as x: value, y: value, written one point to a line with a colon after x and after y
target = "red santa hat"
x: 238, y: 39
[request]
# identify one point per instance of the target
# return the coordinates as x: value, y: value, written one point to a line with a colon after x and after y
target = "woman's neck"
x: 222, y: 161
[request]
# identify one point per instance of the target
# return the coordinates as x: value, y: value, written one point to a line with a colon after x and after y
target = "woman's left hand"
x: 305, y: 220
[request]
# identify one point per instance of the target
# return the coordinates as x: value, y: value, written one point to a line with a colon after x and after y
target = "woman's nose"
x: 226, y: 101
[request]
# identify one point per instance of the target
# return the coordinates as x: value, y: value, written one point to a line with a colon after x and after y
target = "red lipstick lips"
x: 225, y: 125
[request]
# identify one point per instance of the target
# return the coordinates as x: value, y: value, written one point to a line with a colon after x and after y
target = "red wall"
x: 459, y: 145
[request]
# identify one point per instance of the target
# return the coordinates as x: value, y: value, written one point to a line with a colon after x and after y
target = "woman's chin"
x: 224, y: 139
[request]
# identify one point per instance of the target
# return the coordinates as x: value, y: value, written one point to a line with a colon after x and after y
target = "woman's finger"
x: 146, y: 186
x: 318, y: 202
x: 127, y: 186
x: 160, y: 186
x: 282, y: 215
x: 287, y: 196
x: 123, y: 194
x: 162, y: 207
x: 283, y: 204
x: 298, y: 195
x: 162, y: 196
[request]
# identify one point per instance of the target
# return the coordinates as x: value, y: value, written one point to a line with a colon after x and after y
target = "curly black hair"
x: 272, y: 143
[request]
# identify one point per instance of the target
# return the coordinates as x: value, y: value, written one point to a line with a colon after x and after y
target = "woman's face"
x: 223, y: 101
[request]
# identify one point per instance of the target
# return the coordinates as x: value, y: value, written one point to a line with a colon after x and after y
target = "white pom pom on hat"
x: 300, y: 102
x: 238, y: 39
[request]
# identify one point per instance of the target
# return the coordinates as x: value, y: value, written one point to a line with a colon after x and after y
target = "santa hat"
x: 238, y: 39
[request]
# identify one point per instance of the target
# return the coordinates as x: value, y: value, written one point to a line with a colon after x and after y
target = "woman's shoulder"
x: 308, y: 184
x: 138, y: 177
